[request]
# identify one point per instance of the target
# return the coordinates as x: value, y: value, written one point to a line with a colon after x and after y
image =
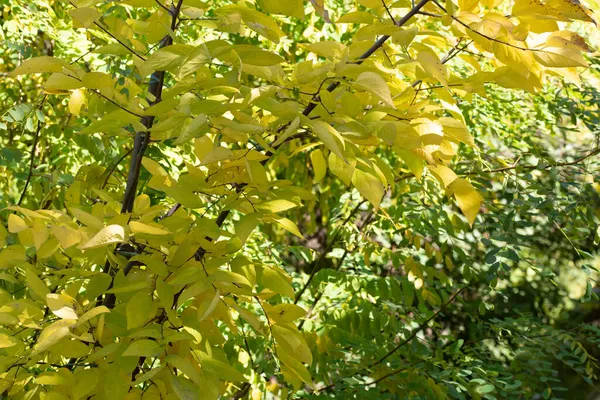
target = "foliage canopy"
x: 298, y: 199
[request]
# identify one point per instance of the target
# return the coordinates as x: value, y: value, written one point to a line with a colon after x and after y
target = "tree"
x: 225, y: 199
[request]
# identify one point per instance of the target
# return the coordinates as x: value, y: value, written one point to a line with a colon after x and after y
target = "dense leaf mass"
x: 317, y: 199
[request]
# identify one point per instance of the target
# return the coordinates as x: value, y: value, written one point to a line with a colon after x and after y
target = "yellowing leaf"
x: 368, y: 186
x: 467, y: 197
x: 84, y: 17
x: 289, y: 226
x: 97, y: 80
x: 559, y: 57
x: 284, y: 313
x: 153, y: 167
x: 139, y: 227
x: 514, y: 56
x: 254, y: 56
x: 16, y: 224
x: 6, y: 341
x: 222, y: 370
x: 63, y: 306
x: 444, y: 174
x: 66, y: 235
x: 257, y: 173
x: 59, y: 82
x: 143, y: 348
x: 292, y: 8
x: 456, y: 131
x: 196, y: 59
x: 108, y: 235
x: 91, y: 314
x: 276, y: 281
x: 433, y: 66
x: 39, y: 64
x: 35, y: 284
x: 374, y: 83
x: 77, y: 101
x: 53, y: 334
x: 329, y: 136
x: 319, y: 164
x: 139, y: 310
x: 276, y: 206
x: 255, y: 20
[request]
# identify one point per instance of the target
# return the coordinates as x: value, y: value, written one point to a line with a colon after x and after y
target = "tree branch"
x: 419, y: 328
x: 33, y: 150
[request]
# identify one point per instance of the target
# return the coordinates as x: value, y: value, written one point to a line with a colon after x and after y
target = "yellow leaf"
x: 343, y: 170
x: 319, y: 164
x: 513, y: 55
x: 276, y: 206
x: 77, y: 101
x: 97, y: 80
x: 444, y: 174
x: 288, y: 226
x: 38, y: 65
x: 40, y: 233
x: 59, y: 82
x: 374, y: 83
x: 257, y: 173
x: 86, y: 381
x: 108, y: 235
x: 433, y: 66
x: 35, y: 284
x: 16, y: 224
x: 6, y: 341
x: 468, y: 199
x: 356, y: 17
x: 52, y: 334
x: 369, y: 186
x: 329, y: 136
x: 292, y: 8
x: 139, y: 227
x: 63, y: 306
x: 222, y: 370
x: 143, y: 348
x: 284, y: 313
x: 153, y: 167
x: 559, y: 57
x: 91, y: 314
x: 139, y: 310
x: 66, y: 235
x: 84, y: 17
x: 456, y: 131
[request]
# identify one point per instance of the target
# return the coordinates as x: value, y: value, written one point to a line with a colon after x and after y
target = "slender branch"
x: 388, y: 11
x: 531, y: 167
x: 33, y: 150
x: 114, y: 37
x: 419, y: 328
x: 119, y: 40
x: 142, y: 138
x: 139, y: 147
x: 114, y: 167
x: 318, y: 297
x: 376, y: 46
x: 327, y: 250
x: 481, y: 34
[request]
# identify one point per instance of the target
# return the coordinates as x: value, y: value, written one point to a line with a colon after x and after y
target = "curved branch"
x: 419, y: 328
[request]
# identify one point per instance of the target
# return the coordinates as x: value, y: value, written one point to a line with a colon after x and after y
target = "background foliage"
x: 428, y: 228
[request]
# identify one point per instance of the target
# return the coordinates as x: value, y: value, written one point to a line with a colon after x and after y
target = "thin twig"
x: 33, y: 150
x: 114, y: 167
x: 419, y: 328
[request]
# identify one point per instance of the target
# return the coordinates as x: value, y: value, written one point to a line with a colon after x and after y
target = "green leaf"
x: 369, y: 186
x: 143, y: 348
